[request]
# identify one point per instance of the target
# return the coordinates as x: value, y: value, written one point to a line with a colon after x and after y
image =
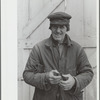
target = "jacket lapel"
x: 49, y: 45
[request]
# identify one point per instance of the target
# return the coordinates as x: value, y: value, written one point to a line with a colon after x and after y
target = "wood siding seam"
x: 28, y: 10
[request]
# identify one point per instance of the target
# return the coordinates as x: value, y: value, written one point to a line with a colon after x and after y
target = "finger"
x: 53, y: 76
x: 65, y: 87
x: 68, y: 79
x: 57, y: 81
x: 68, y: 88
x: 64, y: 84
x: 51, y: 79
x: 55, y: 71
x: 56, y: 77
x: 66, y: 75
x: 54, y: 81
x: 56, y: 74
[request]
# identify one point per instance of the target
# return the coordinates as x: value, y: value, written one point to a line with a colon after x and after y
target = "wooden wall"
x: 33, y: 27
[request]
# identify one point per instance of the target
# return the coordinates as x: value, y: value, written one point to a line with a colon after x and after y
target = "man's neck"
x: 60, y: 41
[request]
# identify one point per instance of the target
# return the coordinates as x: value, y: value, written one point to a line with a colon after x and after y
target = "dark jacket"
x: 42, y: 59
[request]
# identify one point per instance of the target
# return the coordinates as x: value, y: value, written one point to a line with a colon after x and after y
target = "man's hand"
x: 67, y: 84
x: 54, y: 77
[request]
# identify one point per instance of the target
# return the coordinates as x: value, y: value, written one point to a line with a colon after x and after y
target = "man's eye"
x: 61, y: 26
x: 55, y: 27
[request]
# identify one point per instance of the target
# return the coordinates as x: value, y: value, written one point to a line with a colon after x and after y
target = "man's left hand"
x: 67, y: 84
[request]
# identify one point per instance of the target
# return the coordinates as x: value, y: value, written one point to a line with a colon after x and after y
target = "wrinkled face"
x: 58, y: 32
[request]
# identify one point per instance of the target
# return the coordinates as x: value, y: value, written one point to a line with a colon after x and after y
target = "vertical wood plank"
x: 31, y: 92
x: 90, y: 18
x: 22, y: 15
x: 23, y: 88
x: 75, y: 9
x: 92, y: 56
x: 91, y: 93
x: 20, y: 62
x: 20, y: 90
x: 25, y: 92
x: 90, y: 90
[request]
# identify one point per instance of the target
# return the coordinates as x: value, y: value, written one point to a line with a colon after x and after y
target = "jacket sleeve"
x: 84, y: 72
x: 34, y: 71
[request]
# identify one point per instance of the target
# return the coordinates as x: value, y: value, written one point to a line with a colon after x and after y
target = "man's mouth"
x: 58, y: 34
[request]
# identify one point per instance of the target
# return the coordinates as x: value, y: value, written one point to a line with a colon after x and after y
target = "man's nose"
x: 58, y: 30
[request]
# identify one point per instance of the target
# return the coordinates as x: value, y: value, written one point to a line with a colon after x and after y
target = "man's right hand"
x: 54, y: 77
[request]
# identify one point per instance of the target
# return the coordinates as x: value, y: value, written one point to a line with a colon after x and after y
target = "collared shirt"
x: 59, y: 49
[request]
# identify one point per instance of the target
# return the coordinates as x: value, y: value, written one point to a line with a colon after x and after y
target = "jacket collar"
x: 50, y: 41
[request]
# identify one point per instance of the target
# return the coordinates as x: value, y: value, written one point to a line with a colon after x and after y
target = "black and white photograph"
x: 56, y: 51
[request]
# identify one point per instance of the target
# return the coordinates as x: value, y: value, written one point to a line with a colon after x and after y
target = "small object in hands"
x: 64, y: 78
x: 56, y: 74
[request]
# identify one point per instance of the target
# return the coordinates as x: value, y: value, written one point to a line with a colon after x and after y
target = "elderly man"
x: 58, y: 67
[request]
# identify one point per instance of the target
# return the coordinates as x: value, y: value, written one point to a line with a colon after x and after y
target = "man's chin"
x: 58, y: 39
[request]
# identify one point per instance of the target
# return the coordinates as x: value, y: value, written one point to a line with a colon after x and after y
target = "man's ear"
x: 50, y: 26
x: 66, y: 28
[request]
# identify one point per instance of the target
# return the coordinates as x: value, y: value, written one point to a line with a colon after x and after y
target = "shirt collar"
x: 55, y: 43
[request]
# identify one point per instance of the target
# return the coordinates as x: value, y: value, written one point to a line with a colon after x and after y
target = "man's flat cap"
x: 59, y: 15
x: 59, y: 18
